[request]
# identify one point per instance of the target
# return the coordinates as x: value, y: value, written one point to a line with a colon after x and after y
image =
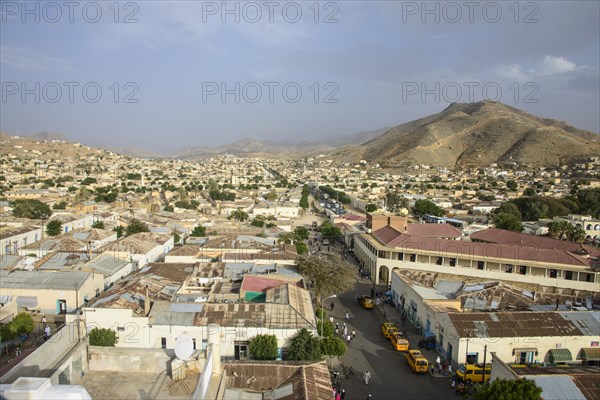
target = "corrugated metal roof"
x: 556, y: 387
x: 588, y: 322
x: 44, y: 280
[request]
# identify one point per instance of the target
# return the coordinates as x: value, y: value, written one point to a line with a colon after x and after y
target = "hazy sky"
x: 184, y: 73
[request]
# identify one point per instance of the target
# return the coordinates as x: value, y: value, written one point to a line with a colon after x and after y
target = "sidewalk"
x: 388, y: 313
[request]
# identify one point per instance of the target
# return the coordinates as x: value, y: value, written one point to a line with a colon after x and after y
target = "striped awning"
x: 560, y: 355
x: 589, y: 354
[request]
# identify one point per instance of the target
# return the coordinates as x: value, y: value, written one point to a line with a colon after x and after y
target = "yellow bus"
x: 417, y: 362
x: 474, y: 373
x: 399, y: 342
x: 388, y: 329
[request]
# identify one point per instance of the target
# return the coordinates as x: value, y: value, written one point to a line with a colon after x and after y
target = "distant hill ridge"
x: 477, y: 134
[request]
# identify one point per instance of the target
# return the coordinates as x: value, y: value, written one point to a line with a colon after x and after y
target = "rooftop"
x: 42, y: 280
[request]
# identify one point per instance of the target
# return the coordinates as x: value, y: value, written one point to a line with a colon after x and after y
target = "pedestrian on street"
x: 353, y: 333
x: 46, y: 333
x: 332, y: 306
x: 367, y: 377
x: 331, y: 319
x: 369, y: 397
x: 347, y: 315
x: 348, y: 339
x: 338, y: 397
x: 343, y: 394
x: 44, y: 320
x: 449, y: 369
x: 351, y: 371
x: 438, y: 363
x: 345, y: 330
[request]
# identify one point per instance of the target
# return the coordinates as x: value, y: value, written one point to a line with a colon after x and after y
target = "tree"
x: 502, y: 389
x: 328, y: 273
x: 333, y: 346
x: 6, y: 333
x: 176, y: 237
x: 239, y: 215
x: 287, y: 237
x: 509, y: 208
x: 301, y: 248
x: 395, y: 203
x: 328, y: 230
x: 425, y: 206
x: 325, y: 327
x: 98, y: 224
x: 559, y: 229
x: 103, y: 337
x: 54, y: 227
x: 136, y: 226
x: 30, y: 208
x: 258, y: 222
x: 576, y: 234
x: 304, y: 347
x: 512, y: 185
x: 22, y: 323
x: 304, y: 202
x: 589, y: 202
x: 271, y: 196
x: 529, y: 192
x: 370, y: 207
x: 119, y: 229
x: 88, y: 181
x: 507, y: 221
x: 60, y: 205
x: 301, y: 232
x: 198, y: 231
x: 264, y: 347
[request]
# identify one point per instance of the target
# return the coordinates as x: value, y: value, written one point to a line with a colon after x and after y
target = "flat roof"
x: 68, y: 280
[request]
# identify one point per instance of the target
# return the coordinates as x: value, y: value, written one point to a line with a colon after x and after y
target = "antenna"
x: 184, y: 347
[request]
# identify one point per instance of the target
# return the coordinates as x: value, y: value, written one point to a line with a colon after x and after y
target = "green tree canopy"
x: 508, y: 208
x: 119, y: 230
x: 394, y: 202
x: 263, y: 347
x: 136, y: 226
x: 501, y: 389
x: 301, y: 232
x: 304, y: 347
x: 98, y: 224
x: 559, y: 229
x: 328, y: 274
x: 508, y: 222
x: 239, y: 215
x: 30, y: 208
x: 22, y: 323
x: 60, y: 205
x: 370, y: 207
x: 301, y: 248
x: 426, y: 206
x: 333, y: 346
x: 328, y: 230
x: 103, y: 337
x: 198, y: 231
x: 54, y: 227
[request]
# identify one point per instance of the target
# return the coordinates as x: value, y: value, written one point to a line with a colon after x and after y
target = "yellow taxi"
x: 474, y: 373
x: 367, y: 302
x: 416, y: 361
x: 399, y: 342
x: 389, y: 328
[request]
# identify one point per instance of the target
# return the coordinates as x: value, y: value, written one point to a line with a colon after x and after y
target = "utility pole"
x: 484, y: 358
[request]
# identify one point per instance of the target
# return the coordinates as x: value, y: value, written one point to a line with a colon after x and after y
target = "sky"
x: 165, y: 75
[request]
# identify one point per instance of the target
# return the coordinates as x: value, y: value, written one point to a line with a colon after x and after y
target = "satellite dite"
x: 184, y: 349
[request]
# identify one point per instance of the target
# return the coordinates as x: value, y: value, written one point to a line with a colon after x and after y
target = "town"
x: 251, y: 277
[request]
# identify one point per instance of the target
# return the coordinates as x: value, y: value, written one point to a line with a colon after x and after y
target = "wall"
x: 22, y: 240
x: 9, y: 310
x: 45, y: 357
x: 71, y: 369
x: 501, y: 370
x: 150, y: 361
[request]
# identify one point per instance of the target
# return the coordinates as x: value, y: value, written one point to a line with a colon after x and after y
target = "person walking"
x: 367, y: 377
x: 353, y: 333
x: 44, y: 320
x: 347, y: 315
x: 331, y: 319
x: 348, y: 339
x: 331, y: 306
x: 343, y: 394
x: 351, y: 371
x: 345, y: 330
x: 369, y: 397
x: 438, y: 363
x: 46, y: 333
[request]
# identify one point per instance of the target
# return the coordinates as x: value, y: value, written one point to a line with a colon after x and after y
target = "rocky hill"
x: 476, y: 134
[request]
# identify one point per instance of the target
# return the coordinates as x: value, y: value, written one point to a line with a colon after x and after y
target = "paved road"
x: 390, y: 376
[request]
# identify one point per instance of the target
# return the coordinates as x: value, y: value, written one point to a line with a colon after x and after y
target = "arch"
x: 579, y: 226
x: 384, y: 274
x: 597, y: 227
x: 588, y: 227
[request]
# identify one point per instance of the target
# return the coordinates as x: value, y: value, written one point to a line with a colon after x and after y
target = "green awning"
x: 560, y: 355
x: 590, y: 354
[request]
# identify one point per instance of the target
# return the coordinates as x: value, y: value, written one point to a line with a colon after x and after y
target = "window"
x: 401, y: 256
x: 194, y: 343
x: 480, y: 265
x: 553, y: 273
x: 569, y: 275
x: 163, y: 342
x: 453, y: 262
x: 523, y: 270
x: 439, y: 261
x: 241, y: 350
x: 508, y: 268
x: 413, y: 257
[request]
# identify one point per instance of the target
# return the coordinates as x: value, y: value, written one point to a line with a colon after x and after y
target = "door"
x: 61, y: 306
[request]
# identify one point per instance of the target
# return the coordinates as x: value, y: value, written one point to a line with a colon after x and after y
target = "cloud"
x: 551, y: 65
x: 31, y: 60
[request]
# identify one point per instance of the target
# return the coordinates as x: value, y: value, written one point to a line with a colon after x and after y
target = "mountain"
x: 48, y: 136
x: 253, y: 147
x: 476, y: 134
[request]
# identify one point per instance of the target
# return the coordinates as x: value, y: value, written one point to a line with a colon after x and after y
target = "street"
x: 391, y: 377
